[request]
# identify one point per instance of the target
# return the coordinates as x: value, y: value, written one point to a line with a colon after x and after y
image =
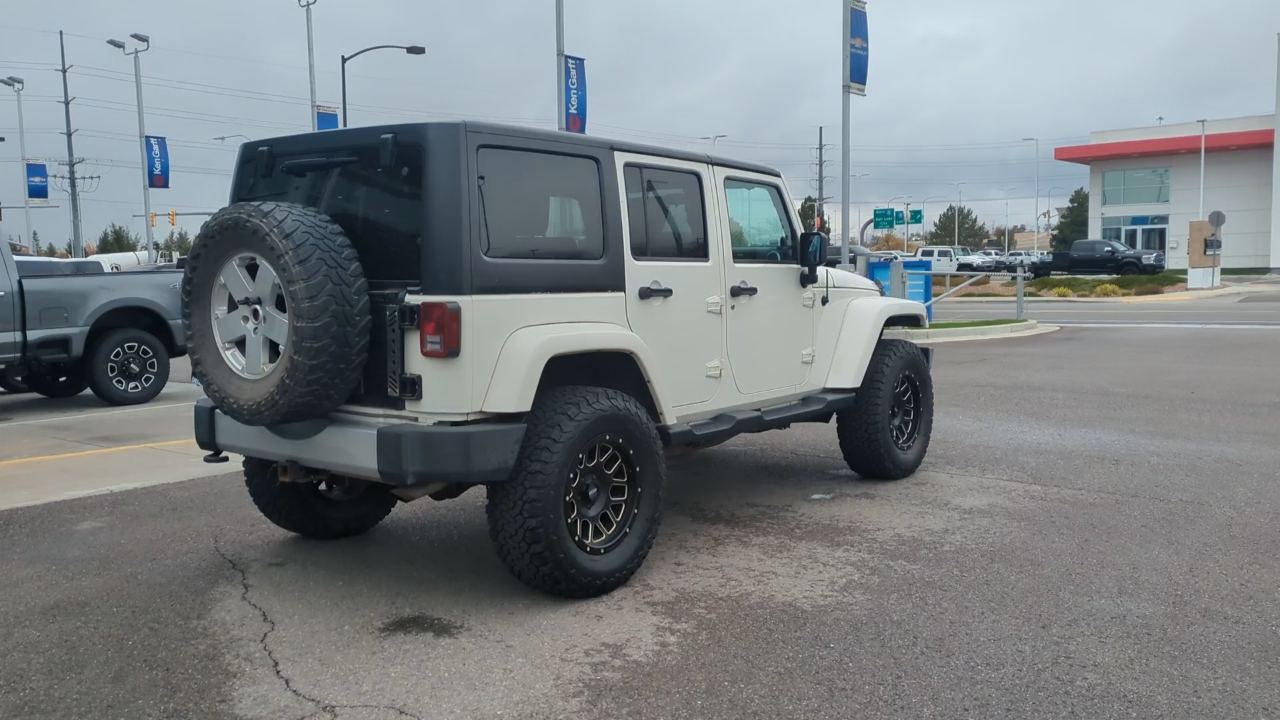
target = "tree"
x: 972, y: 232
x: 35, y: 242
x: 890, y: 241
x: 1073, y: 223
x: 178, y: 242
x: 51, y: 250
x: 116, y: 238
x: 809, y: 209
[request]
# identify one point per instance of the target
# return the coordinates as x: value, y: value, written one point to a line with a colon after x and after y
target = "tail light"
x: 440, y: 329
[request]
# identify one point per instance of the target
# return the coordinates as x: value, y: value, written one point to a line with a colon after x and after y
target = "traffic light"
x: 173, y: 218
x: 153, y: 219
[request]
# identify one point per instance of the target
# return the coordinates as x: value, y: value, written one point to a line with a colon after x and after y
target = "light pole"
x: 311, y: 59
x: 142, y: 133
x: 1203, y: 130
x: 16, y: 84
x: 409, y: 49
x: 906, y: 218
x: 890, y: 206
x: 712, y: 138
x: 959, y: 204
x: 1037, y: 142
x: 1048, y: 211
x: 859, y: 176
x: 1006, y: 192
x: 923, y: 212
x: 560, y: 118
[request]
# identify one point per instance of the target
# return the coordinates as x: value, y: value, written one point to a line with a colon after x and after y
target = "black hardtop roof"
x: 517, y: 131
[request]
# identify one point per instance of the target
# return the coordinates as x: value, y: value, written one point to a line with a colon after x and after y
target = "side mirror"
x: 813, y: 253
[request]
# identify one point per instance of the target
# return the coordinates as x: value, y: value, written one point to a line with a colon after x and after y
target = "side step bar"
x: 815, y: 408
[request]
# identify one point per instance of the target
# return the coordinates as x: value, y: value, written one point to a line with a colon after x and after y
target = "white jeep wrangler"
x: 389, y: 313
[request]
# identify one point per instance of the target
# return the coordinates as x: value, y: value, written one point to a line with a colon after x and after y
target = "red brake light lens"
x: 440, y: 329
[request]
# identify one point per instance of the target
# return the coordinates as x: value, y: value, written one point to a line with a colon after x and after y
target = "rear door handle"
x: 743, y: 289
x: 647, y: 292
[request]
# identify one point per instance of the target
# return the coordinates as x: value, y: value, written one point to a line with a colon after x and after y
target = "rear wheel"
x: 58, y: 380
x: 885, y: 435
x: 333, y: 508
x: 127, y: 367
x: 582, y: 507
x: 1129, y: 269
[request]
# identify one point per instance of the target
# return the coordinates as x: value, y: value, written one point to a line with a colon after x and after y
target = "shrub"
x: 1151, y: 289
x: 1074, y: 284
x: 940, y: 281
x: 1164, y: 279
x: 1030, y: 293
x: 1062, y: 292
x: 1107, y: 290
x: 1126, y: 293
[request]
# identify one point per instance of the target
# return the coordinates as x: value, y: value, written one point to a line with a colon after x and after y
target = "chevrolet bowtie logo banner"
x: 575, y: 94
x: 856, y: 83
x: 37, y: 181
x: 157, y: 162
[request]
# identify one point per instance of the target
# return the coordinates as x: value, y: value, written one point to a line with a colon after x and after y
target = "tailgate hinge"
x: 408, y: 316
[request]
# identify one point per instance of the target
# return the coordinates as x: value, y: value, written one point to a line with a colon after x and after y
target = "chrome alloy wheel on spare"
x: 250, y: 316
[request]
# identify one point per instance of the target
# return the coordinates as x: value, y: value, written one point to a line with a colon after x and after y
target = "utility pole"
x: 77, y: 236
x: 822, y: 171
x: 1037, y: 142
x: 959, y: 204
x: 1006, y: 218
x: 311, y: 59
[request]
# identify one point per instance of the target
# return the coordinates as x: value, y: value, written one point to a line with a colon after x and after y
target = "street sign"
x: 1217, y: 219
x: 899, y: 218
x: 883, y: 218
x: 917, y: 217
x: 326, y: 117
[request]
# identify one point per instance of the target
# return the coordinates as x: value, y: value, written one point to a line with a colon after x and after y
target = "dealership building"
x: 1145, y: 187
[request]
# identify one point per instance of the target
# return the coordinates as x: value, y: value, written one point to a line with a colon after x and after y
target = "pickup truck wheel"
x: 14, y: 380
x: 127, y: 367
x: 885, y: 435
x: 337, y: 507
x: 1129, y: 269
x: 58, y: 380
x: 582, y: 507
x: 277, y: 312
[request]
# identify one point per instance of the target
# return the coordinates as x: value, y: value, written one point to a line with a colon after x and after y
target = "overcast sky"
x: 953, y: 88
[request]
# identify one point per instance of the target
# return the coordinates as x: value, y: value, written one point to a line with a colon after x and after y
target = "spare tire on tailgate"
x: 277, y: 313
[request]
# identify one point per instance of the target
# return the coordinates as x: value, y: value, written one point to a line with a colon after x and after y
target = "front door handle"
x: 743, y: 289
x: 647, y: 292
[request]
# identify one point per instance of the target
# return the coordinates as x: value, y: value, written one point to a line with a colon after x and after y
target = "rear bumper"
x: 400, y: 454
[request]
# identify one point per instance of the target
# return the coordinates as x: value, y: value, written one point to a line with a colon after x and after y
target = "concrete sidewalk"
x: 1171, y: 297
x: 1026, y: 328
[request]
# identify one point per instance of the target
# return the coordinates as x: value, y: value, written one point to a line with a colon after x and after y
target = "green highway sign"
x: 917, y: 217
x: 899, y: 218
x: 884, y: 218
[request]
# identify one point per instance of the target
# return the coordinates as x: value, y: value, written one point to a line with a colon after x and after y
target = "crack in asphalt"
x: 325, y: 709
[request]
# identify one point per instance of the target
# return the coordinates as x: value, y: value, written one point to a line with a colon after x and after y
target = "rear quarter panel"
x: 66, y: 306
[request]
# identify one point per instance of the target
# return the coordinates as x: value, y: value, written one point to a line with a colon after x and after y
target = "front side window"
x: 1135, y: 187
x: 539, y: 206
x: 666, y: 216
x: 759, y: 227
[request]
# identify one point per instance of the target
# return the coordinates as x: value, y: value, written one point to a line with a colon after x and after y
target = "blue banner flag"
x: 575, y: 94
x: 858, y: 48
x: 157, y: 162
x: 37, y: 182
x: 326, y: 118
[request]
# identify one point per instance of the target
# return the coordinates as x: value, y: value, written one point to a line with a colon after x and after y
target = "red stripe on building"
x: 1217, y: 142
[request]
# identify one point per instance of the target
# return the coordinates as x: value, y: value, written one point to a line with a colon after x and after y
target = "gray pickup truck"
x: 67, y: 325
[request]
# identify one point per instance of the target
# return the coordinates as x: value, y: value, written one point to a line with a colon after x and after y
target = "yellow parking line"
x: 1171, y: 298
x: 99, y: 451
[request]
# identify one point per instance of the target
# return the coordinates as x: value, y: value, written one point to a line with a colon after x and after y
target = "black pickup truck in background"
x: 1102, y: 257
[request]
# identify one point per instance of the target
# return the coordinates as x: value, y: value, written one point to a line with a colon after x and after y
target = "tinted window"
x: 539, y: 206
x: 379, y: 209
x: 665, y: 211
x: 926, y: 253
x: 1091, y: 247
x: 759, y: 227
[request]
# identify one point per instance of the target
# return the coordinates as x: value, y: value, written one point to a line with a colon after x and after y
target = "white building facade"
x: 1145, y: 188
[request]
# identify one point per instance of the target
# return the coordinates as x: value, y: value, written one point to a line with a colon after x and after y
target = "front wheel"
x: 127, y: 367
x: 582, y: 507
x: 58, y: 380
x: 13, y: 379
x: 1129, y: 270
x: 885, y: 435
x: 335, y: 507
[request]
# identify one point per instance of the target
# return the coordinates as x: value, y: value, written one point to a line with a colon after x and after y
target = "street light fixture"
x: 409, y: 50
x: 142, y: 131
x: 224, y: 138
x: 959, y: 204
x: 311, y: 60
x: 1006, y: 192
x: 1048, y: 211
x: 922, y: 208
x: 17, y: 84
x: 712, y: 138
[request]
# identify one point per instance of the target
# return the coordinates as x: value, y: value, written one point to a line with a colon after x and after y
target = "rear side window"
x: 539, y: 206
x: 666, y: 214
x: 379, y: 209
x: 926, y: 253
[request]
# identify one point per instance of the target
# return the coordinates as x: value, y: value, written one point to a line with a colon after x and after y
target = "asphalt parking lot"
x: 1094, y: 534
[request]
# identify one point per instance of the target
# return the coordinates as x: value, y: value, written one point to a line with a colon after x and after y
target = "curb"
x: 989, y: 332
x: 1184, y: 295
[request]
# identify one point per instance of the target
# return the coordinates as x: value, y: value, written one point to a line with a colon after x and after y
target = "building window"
x: 1135, y: 187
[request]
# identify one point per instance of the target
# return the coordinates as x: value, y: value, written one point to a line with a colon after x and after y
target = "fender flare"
x: 526, y: 352
x: 864, y: 320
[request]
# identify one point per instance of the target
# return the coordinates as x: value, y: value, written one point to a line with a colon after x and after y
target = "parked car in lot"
x: 409, y: 316
x: 67, y: 325
x: 1105, y: 257
x: 973, y: 262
